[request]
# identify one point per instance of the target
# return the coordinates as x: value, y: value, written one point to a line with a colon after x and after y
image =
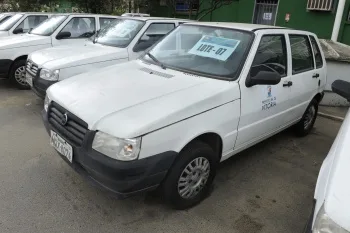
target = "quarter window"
x: 80, y: 27
x: 31, y: 22
x: 317, y: 53
x: 153, y: 33
x: 271, y: 55
x: 302, y: 58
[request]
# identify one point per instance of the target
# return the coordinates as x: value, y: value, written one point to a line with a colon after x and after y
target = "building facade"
x: 312, y: 15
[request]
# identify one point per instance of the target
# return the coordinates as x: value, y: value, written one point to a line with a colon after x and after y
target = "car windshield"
x: 50, y: 25
x: 209, y: 51
x: 8, y: 24
x: 119, y: 33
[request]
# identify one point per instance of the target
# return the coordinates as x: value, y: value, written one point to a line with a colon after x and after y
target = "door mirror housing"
x: 342, y: 88
x: 18, y: 31
x: 263, y: 77
x: 63, y: 35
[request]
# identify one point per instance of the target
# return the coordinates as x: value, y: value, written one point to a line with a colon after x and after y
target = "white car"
x: 124, y: 40
x: 22, y: 23
x: 330, y: 211
x: 202, y: 94
x: 5, y: 16
x: 63, y: 29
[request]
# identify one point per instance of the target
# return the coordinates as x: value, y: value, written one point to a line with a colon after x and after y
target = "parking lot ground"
x: 268, y: 188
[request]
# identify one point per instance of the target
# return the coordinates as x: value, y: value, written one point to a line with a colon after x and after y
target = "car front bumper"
x: 123, y: 179
x: 5, y: 65
x: 40, y: 85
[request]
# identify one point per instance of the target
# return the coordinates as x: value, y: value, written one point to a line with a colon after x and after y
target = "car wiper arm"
x: 156, y: 60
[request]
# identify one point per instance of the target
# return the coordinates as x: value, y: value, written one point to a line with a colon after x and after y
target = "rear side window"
x: 80, y: 28
x: 302, y: 58
x: 271, y: 54
x: 317, y: 53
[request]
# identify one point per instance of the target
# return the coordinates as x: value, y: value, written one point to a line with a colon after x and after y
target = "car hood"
x: 337, y: 201
x: 25, y: 40
x: 4, y: 33
x: 68, y: 56
x: 131, y: 99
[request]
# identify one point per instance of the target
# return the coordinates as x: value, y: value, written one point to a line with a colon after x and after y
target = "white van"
x: 5, y: 16
x: 331, y: 200
x: 124, y: 40
x: 22, y: 23
x: 205, y: 92
x: 63, y: 29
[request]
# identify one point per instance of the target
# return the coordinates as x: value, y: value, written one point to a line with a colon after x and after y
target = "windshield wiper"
x: 156, y: 60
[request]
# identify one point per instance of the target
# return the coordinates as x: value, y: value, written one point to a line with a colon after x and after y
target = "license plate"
x: 29, y: 79
x: 61, y: 146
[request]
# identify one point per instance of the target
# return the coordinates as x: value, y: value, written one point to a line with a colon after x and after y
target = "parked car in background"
x: 202, y: 94
x: 124, y: 40
x: 62, y: 29
x: 20, y: 23
x: 330, y: 212
x: 135, y: 15
x: 5, y: 16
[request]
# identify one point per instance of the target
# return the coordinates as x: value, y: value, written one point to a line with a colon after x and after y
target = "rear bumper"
x: 123, y: 179
x: 308, y: 227
x: 5, y: 65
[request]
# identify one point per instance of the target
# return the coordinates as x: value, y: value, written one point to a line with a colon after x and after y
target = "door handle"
x: 316, y: 75
x: 288, y: 84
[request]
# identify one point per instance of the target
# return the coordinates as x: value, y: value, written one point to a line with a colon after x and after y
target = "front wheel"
x: 18, y: 75
x: 190, y: 179
x: 305, y: 125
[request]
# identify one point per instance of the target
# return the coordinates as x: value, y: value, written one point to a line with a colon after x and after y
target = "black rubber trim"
x: 5, y: 65
x: 123, y: 179
x: 276, y: 28
x: 308, y: 227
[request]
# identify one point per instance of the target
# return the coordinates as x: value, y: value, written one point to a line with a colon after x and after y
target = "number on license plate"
x: 61, y: 146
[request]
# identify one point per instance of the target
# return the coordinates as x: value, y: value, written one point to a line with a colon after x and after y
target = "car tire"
x: 305, y: 125
x: 17, y: 75
x: 189, y: 180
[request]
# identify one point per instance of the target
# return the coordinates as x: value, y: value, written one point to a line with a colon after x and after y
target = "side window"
x: 31, y: 22
x: 105, y: 22
x: 80, y: 28
x: 302, y: 58
x: 317, y: 53
x: 271, y: 55
x: 153, y: 33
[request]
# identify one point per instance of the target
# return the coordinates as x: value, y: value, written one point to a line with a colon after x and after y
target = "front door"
x: 265, y: 12
x: 264, y: 108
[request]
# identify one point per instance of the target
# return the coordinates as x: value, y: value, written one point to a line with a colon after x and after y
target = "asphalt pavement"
x: 267, y: 188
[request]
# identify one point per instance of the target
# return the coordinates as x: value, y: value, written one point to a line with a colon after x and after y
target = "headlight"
x: 324, y: 224
x: 117, y: 148
x: 46, y: 103
x: 49, y: 75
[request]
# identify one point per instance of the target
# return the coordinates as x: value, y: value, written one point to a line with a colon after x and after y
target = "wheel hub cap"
x: 20, y: 75
x: 310, y: 114
x: 194, y: 177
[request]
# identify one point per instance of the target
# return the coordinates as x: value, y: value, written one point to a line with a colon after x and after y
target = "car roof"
x: 154, y: 18
x: 241, y: 26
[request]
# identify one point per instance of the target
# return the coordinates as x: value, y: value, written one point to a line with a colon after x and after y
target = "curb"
x: 332, y: 117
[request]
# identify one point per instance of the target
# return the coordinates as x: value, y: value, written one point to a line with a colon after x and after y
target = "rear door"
x: 265, y: 108
x: 305, y: 77
x: 79, y: 29
x: 320, y: 62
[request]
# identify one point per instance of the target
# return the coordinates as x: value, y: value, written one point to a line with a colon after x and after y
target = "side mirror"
x: 18, y: 31
x: 342, y: 88
x: 263, y: 77
x: 63, y: 35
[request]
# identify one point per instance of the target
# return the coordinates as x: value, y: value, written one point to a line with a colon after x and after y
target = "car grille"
x: 71, y: 127
x: 32, y: 67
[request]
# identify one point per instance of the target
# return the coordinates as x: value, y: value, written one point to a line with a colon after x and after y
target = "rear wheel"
x: 18, y: 75
x: 307, y: 122
x: 190, y: 179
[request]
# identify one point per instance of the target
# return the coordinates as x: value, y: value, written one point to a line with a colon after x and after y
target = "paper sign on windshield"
x: 215, y: 47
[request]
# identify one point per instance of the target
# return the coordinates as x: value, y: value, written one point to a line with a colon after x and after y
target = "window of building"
x: 320, y: 5
x: 185, y: 6
x: 302, y: 58
x: 271, y: 54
